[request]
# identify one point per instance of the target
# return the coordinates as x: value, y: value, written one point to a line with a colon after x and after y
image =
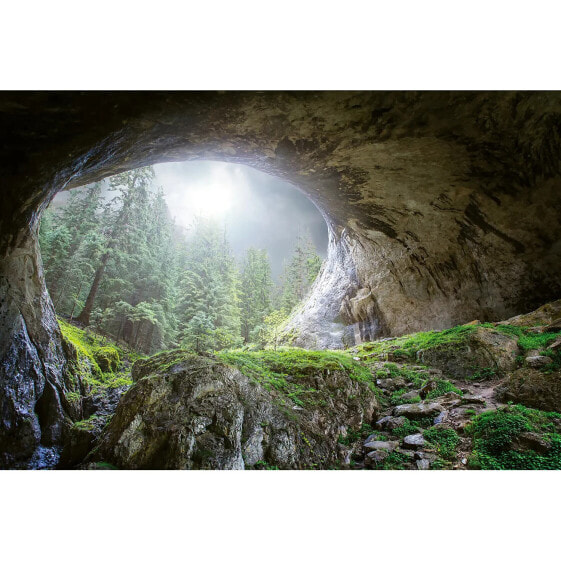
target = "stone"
x: 389, y: 423
x: 426, y: 388
x: 375, y: 457
x: 555, y: 346
x: 478, y: 350
x: 418, y: 410
x: 531, y: 441
x: 413, y: 394
x: 473, y: 399
x: 423, y: 464
x: 553, y: 327
x: 538, y: 361
x: 440, y: 418
x: 414, y: 441
x: 389, y: 445
x: 204, y: 414
x: 391, y: 384
x: 533, y: 388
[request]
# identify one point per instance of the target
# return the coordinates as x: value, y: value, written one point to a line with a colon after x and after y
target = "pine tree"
x: 299, y: 272
x: 255, y: 294
x: 208, y: 289
x: 132, y: 187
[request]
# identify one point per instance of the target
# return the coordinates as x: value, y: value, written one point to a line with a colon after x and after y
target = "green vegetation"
x: 263, y: 465
x: 395, y: 460
x: 444, y: 439
x: 397, y: 399
x: 411, y: 427
x: 88, y: 348
x: 495, y: 436
x: 115, y: 260
x: 86, y: 424
x: 291, y: 370
x: 443, y: 387
x: 527, y: 339
x: 408, y: 345
x: 361, y: 434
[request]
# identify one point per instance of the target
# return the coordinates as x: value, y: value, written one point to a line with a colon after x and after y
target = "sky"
x: 258, y: 210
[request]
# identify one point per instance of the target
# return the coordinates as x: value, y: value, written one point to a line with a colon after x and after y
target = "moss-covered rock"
x: 193, y: 412
x: 107, y: 358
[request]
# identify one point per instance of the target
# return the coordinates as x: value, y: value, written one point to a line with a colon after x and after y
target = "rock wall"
x: 443, y: 207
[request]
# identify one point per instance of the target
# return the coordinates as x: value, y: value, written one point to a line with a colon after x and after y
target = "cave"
x: 442, y: 208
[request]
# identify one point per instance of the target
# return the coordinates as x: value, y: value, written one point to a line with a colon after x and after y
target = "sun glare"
x: 211, y: 200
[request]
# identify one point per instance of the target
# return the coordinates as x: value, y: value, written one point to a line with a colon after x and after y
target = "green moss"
x: 86, y: 424
x: 483, y: 374
x: 409, y: 345
x: 409, y: 427
x: 290, y: 371
x: 72, y: 396
x: 395, y: 460
x: 396, y: 399
x: 107, y: 358
x: 88, y: 350
x: 527, y: 340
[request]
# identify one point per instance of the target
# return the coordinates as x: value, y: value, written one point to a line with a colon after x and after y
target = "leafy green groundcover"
x: 494, y: 432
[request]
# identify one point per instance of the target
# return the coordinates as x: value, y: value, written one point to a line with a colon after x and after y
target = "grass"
x: 527, y: 340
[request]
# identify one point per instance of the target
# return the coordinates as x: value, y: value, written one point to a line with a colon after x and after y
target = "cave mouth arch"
x: 442, y: 207
x: 249, y: 210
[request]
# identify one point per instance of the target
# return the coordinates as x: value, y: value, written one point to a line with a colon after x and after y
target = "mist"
x: 258, y: 210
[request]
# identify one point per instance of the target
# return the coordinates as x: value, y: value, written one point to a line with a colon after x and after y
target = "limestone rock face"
x: 441, y: 207
x: 201, y: 414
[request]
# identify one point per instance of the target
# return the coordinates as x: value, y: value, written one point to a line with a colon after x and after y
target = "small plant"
x: 444, y: 439
x: 495, y: 433
x: 443, y: 387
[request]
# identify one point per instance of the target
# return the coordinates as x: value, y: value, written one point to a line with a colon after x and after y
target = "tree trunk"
x: 84, y: 316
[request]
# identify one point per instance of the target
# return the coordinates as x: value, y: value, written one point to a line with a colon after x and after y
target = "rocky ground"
x: 477, y: 396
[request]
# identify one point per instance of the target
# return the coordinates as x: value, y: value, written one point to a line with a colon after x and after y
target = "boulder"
x: 195, y: 412
x: 389, y: 445
x: 391, y: 384
x: 538, y: 361
x: 533, y: 388
x: 389, y: 423
x: 375, y: 457
x: 413, y: 394
x: 414, y: 441
x: 418, y: 410
x: 481, y: 349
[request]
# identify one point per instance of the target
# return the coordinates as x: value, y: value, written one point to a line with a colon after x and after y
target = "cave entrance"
x: 202, y: 254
